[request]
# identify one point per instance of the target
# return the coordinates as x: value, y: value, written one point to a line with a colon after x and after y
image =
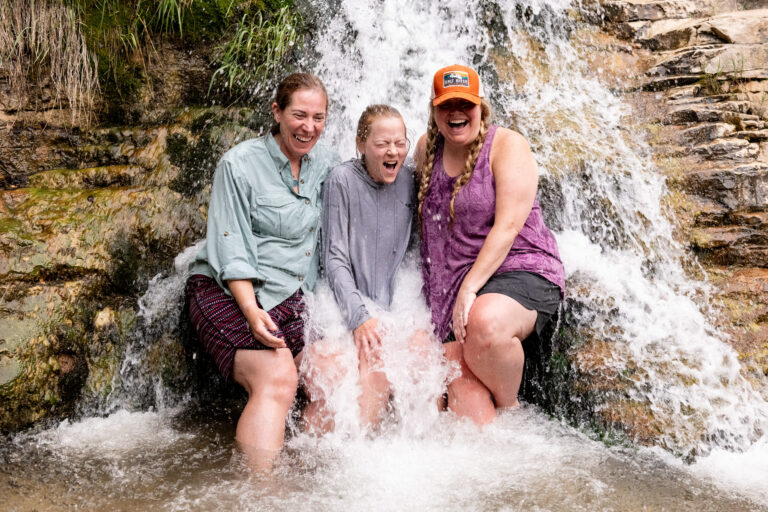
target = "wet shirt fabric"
x: 259, y: 228
x: 366, y: 231
x: 448, y: 250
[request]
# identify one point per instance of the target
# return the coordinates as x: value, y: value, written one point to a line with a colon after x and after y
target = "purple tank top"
x: 448, y: 251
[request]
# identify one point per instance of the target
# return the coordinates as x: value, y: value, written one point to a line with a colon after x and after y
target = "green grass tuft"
x: 256, y: 51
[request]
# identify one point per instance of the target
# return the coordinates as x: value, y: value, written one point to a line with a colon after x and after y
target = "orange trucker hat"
x: 456, y: 81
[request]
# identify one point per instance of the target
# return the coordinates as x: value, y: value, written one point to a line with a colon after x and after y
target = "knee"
x: 468, y: 397
x: 484, y: 330
x: 280, y: 385
x: 321, y: 374
x: 420, y: 340
x: 376, y: 380
x: 489, y: 326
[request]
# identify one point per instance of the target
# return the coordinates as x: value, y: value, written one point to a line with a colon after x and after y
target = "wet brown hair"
x: 289, y: 85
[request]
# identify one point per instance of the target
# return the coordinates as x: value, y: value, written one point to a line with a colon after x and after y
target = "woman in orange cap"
x: 492, y: 272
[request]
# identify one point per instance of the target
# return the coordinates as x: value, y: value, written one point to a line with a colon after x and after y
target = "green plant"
x: 737, y: 74
x: 711, y: 82
x: 256, y: 51
x: 170, y: 14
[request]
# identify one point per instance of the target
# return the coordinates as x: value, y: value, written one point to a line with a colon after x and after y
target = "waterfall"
x: 600, y: 192
x: 630, y: 290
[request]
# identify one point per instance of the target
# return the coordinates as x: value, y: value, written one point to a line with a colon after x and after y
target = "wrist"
x: 250, y: 311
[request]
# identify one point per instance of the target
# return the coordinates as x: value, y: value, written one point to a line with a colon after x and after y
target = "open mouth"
x: 458, y: 124
x: 390, y: 166
x: 302, y: 139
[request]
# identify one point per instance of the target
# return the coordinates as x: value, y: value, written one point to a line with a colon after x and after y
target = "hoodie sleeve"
x: 336, y: 255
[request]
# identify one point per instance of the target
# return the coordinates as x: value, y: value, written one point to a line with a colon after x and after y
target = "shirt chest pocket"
x: 282, y: 217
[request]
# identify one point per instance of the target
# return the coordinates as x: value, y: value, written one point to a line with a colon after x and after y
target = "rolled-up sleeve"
x: 336, y: 257
x: 232, y: 247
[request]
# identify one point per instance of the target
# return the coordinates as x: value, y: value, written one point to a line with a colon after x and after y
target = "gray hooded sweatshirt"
x: 366, y: 231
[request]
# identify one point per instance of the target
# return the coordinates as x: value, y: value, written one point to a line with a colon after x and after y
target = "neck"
x: 295, y: 160
x: 454, y: 151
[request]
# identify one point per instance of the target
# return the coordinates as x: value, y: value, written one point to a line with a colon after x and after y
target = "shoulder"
x: 407, y: 171
x: 247, y: 148
x: 509, y: 145
x: 325, y: 155
x: 235, y: 160
x: 421, y: 147
x: 341, y: 173
x: 511, y: 155
x: 506, y: 141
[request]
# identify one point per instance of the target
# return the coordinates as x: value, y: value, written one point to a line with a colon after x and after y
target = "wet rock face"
x: 88, y: 217
x: 697, y: 73
x: 704, y: 92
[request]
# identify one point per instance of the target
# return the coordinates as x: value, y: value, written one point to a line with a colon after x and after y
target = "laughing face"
x: 384, y: 149
x: 301, y: 122
x: 458, y: 120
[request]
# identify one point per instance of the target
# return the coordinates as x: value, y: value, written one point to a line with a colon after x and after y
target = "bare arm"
x: 516, y: 175
x: 258, y: 320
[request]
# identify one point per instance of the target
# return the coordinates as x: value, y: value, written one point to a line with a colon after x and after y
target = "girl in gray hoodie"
x: 368, y: 205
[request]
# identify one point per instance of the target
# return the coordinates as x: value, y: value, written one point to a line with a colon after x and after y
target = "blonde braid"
x: 472, y: 155
x: 425, y: 173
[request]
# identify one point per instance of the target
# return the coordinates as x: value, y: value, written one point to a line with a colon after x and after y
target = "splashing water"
x: 602, y: 198
x: 417, y: 377
x: 615, y: 239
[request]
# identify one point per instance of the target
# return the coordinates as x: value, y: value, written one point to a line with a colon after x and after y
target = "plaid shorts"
x: 223, y: 329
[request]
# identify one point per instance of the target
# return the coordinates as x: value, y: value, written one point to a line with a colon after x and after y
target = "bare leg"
x: 270, y: 379
x: 324, y: 371
x: 421, y: 344
x: 467, y: 396
x: 493, y: 348
x: 375, y: 389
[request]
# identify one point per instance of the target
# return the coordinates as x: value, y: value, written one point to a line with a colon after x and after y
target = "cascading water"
x: 616, y: 243
x: 627, y: 287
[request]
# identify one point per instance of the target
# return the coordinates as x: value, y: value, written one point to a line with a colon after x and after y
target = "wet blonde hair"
x: 369, y: 115
x: 425, y: 172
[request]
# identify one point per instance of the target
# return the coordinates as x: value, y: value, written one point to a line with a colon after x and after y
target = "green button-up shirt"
x: 258, y: 227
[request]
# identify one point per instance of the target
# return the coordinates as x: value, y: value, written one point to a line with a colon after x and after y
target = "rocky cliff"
x: 704, y: 94
x: 696, y: 76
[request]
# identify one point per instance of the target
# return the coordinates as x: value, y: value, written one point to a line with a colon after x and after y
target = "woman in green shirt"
x: 261, y: 253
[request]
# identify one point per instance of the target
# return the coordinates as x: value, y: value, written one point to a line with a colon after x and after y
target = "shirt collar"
x: 279, y: 158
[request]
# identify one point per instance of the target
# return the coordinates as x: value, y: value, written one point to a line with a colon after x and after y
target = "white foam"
x: 417, y: 379
x: 164, y: 293
x: 116, y: 436
x: 745, y: 473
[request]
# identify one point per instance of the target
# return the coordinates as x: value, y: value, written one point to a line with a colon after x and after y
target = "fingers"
x: 459, y: 324
x: 367, y: 338
x: 361, y: 343
x: 464, y: 321
x: 271, y: 325
x: 261, y: 331
x: 460, y: 316
x: 268, y: 339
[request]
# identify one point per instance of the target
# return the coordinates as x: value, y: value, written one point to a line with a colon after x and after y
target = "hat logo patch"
x: 455, y: 79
